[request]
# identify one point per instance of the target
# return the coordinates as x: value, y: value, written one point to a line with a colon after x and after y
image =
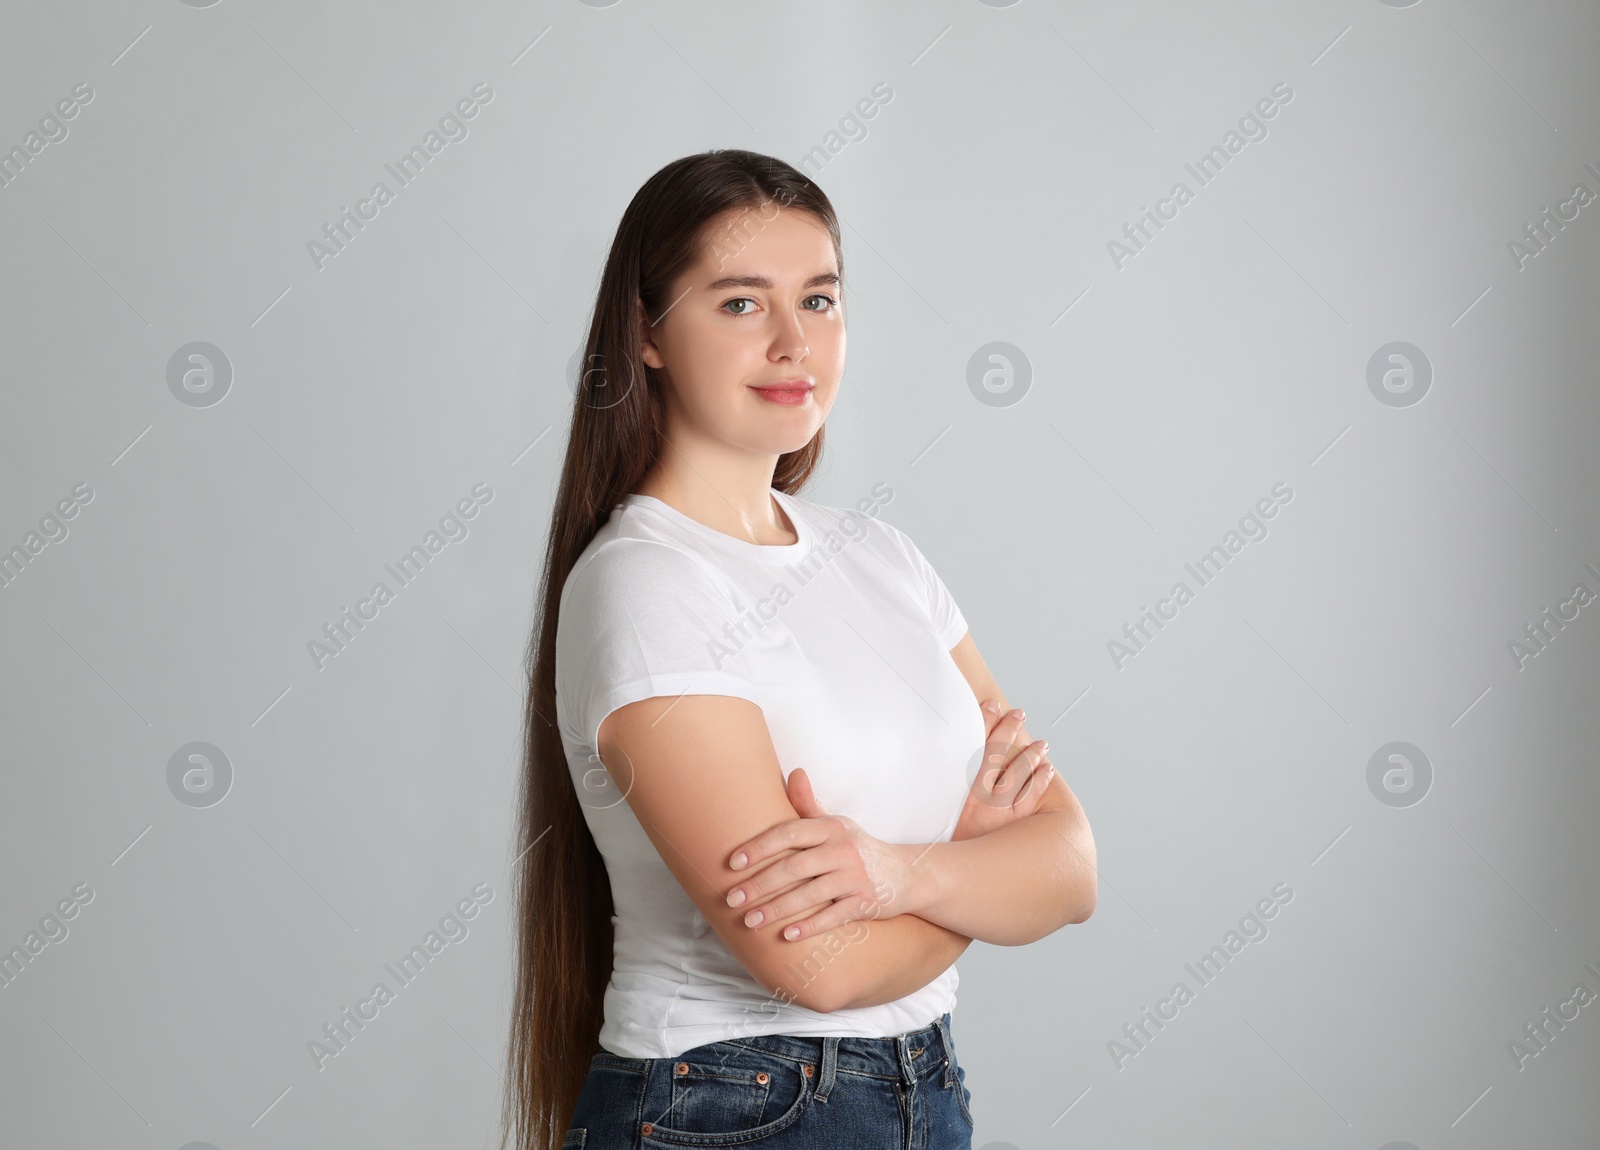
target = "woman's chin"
x: 791, y: 444
x: 782, y: 441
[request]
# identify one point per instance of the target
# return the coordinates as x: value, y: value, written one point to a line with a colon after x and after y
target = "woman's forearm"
x: 866, y: 962
x: 913, y: 953
x: 1012, y: 886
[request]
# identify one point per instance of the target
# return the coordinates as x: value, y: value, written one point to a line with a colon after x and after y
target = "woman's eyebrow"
x: 763, y: 282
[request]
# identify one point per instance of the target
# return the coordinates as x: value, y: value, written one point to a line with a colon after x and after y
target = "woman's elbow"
x: 1076, y: 907
x: 1085, y: 893
x: 1084, y: 908
x: 1086, y: 878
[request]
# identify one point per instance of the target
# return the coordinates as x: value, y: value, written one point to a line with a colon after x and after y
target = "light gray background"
x: 1166, y: 399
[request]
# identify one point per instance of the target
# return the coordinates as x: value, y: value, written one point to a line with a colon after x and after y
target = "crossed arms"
x: 703, y: 778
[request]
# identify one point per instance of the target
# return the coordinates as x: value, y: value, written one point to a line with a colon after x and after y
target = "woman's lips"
x: 787, y: 396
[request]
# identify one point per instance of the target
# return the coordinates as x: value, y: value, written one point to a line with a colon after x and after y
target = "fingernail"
x: 792, y: 933
x: 735, y: 898
x: 753, y: 918
x: 1044, y: 748
x: 991, y: 707
x: 738, y: 861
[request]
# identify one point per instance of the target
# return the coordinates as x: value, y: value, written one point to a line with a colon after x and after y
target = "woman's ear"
x: 647, y: 348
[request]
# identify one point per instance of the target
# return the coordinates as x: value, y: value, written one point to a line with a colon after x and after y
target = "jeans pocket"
x: 725, y: 1094
x: 575, y: 1138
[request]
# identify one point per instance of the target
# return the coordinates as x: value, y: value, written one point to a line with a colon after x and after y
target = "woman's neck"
x: 740, y: 509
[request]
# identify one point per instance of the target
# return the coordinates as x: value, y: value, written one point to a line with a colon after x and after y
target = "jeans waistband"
x: 903, y: 1057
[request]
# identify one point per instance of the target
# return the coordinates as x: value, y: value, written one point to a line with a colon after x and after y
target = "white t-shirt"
x: 842, y: 638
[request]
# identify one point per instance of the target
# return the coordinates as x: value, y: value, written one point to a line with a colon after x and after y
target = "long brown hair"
x: 561, y: 890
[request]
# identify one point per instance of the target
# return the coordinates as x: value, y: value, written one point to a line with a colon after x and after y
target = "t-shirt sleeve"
x: 948, y: 622
x: 640, y: 619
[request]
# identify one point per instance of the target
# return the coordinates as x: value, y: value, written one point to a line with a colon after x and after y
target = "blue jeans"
x: 781, y: 1092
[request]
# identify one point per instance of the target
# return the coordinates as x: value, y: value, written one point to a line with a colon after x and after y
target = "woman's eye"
x: 828, y: 302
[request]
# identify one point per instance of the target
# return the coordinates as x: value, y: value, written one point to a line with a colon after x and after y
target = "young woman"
x: 754, y: 831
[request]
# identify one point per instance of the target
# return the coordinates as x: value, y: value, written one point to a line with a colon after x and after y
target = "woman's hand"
x: 1011, y: 779
x: 838, y: 872
x: 821, y: 871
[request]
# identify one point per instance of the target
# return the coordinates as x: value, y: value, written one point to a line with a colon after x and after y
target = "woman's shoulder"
x: 631, y: 561
x: 865, y: 529
x: 863, y: 523
x: 632, y: 557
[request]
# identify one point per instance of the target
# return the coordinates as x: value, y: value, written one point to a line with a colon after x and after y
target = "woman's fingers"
x: 817, y: 894
x: 997, y: 751
x: 1008, y: 728
x: 781, y: 876
x: 796, y: 834
x: 1006, y: 767
x: 993, y: 716
x: 834, y: 915
x: 1001, y: 725
x: 1038, y: 783
x: 1023, y: 766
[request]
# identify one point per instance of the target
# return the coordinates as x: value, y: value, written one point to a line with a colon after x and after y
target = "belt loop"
x: 825, y: 1072
x: 949, y: 1049
x: 902, y: 1050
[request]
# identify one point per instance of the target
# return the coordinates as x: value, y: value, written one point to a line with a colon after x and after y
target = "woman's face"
x: 760, y: 307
